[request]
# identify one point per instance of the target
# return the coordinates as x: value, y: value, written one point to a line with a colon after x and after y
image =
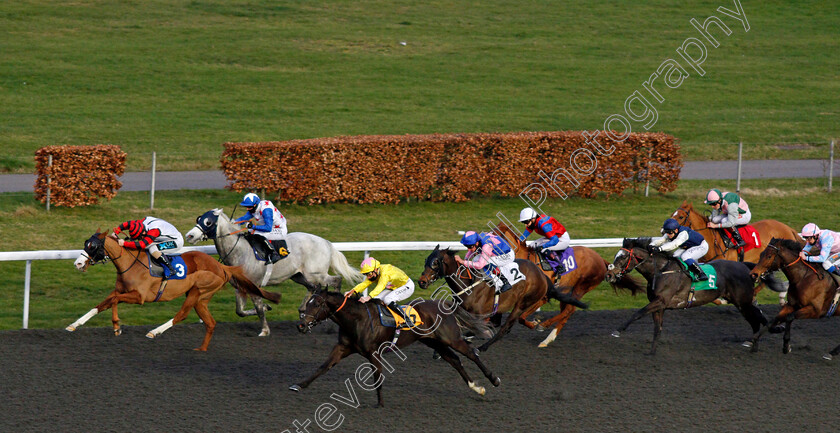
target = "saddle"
x: 159, y: 271
x: 567, y: 260
x: 748, y: 234
x: 258, y: 245
x: 391, y: 319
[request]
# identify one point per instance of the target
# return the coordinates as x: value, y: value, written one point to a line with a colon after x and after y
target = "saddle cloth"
x: 748, y: 234
x: 568, y: 260
x: 259, y: 254
x: 159, y: 271
x: 709, y: 270
x: 391, y: 319
x: 511, y: 272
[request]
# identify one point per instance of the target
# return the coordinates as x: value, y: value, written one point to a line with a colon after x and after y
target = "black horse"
x: 669, y: 285
x: 360, y: 331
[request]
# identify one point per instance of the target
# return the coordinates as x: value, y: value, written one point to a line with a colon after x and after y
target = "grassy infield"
x: 183, y: 77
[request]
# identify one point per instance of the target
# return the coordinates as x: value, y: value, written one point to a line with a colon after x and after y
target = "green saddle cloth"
x: 709, y: 284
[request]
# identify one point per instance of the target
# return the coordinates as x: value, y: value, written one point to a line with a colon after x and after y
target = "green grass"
x: 60, y: 294
x: 182, y: 77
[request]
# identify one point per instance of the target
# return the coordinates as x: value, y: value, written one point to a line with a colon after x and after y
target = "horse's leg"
x: 658, y: 316
x: 511, y: 319
x: 377, y: 378
x: 755, y: 318
x: 192, y: 298
x: 772, y: 326
x: 808, y: 312
x: 209, y: 323
x: 261, y: 307
x: 339, y: 352
x: 523, y: 318
x: 241, y: 301
x: 464, y: 348
x: 560, y: 321
x: 303, y: 281
x: 449, y: 356
x: 786, y: 340
x: 658, y: 304
x: 132, y: 297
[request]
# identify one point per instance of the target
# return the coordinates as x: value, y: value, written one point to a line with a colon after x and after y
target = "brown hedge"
x: 80, y: 175
x: 448, y: 167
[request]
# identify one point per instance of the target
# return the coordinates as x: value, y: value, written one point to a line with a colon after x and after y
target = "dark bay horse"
x: 475, y: 295
x: 204, y: 277
x: 811, y: 291
x: 591, y: 270
x: 360, y: 331
x: 767, y: 229
x: 669, y: 286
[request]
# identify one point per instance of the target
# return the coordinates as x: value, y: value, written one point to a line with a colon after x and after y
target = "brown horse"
x: 591, y: 270
x: 475, y: 295
x: 360, y: 331
x: 687, y: 216
x: 204, y: 277
x: 811, y: 292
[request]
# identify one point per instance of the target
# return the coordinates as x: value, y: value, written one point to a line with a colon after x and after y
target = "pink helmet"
x: 713, y: 196
x: 369, y: 265
x: 810, y: 229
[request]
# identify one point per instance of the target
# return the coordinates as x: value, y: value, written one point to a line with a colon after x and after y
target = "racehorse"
x: 475, y: 295
x: 591, y: 269
x: 670, y: 286
x: 308, y: 262
x: 204, y: 277
x: 766, y: 229
x: 810, y: 295
x: 360, y: 331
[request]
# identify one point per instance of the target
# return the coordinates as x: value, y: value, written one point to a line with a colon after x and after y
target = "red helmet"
x: 136, y: 229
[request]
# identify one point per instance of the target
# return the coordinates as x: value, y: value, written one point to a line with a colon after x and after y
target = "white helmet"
x: 527, y: 214
x: 809, y: 230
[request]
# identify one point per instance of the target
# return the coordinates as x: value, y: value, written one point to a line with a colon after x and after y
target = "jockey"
x: 153, y: 235
x: 685, y: 243
x: 729, y: 210
x: 392, y: 284
x: 555, y: 237
x: 271, y: 224
x: 829, y: 244
x: 486, y: 251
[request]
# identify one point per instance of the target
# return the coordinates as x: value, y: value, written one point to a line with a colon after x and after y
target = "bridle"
x: 627, y: 267
x: 308, y: 325
x: 437, y: 266
x: 798, y: 259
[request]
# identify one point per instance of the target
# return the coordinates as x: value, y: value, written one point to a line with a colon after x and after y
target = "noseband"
x: 315, y: 322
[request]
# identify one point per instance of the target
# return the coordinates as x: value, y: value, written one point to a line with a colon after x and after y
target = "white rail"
x: 367, y: 247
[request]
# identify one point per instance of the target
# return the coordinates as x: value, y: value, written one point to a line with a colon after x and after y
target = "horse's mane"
x: 789, y: 244
x: 640, y: 242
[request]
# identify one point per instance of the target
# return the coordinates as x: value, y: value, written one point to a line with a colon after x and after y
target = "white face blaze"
x: 675, y: 214
x: 618, y: 254
x: 81, y: 262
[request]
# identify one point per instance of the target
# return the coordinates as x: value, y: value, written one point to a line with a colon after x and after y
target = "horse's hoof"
x: 70, y: 328
x: 616, y: 334
x: 264, y: 334
x: 541, y: 345
x: 539, y: 328
x: 747, y: 344
x: 294, y: 388
x: 786, y: 350
x: 149, y: 335
x: 498, y: 381
x: 827, y: 357
x: 117, y: 332
x: 435, y: 356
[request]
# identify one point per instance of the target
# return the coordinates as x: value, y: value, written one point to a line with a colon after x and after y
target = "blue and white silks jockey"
x: 685, y: 243
x: 487, y: 251
x: 827, y: 241
x: 271, y: 224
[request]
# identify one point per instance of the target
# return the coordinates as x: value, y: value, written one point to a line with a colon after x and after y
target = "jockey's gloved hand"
x: 655, y: 249
x: 250, y: 225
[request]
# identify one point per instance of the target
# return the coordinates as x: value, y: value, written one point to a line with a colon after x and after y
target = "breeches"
x: 397, y: 294
x: 741, y: 220
x: 565, y: 240
x: 167, y: 247
x: 695, y: 253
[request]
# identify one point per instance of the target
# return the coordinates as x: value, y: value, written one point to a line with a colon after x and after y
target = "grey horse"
x: 308, y: 263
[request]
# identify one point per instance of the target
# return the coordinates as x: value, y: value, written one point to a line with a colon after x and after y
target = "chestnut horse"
x: 475, y: 295
x: 591, y: 269
x: 669, y: 286
x: 360, y: 331
x: 204, y: 277
x: 687, y: 216
x: 811, y: 292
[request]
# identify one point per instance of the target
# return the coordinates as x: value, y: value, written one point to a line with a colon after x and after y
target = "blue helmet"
x: 670, y: 225
x: 250, y: 200
x: 470, y: 238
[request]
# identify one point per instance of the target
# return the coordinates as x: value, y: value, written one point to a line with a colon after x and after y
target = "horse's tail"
x: 475, y: 323
x: 338, y: 263
x: 559, y: 294
x: 769, y: 280
x: 627, y: 282
x: 241, y: 282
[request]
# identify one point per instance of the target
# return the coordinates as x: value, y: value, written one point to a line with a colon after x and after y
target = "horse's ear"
x: 217, y: 211
x: 687, y: 204
x: 437, y: 248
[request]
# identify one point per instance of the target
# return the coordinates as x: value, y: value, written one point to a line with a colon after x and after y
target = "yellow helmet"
x: 369, y: 265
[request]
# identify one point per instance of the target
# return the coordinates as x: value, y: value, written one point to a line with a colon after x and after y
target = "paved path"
x: 174, y: 180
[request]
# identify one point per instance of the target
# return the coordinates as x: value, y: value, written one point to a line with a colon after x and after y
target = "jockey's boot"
x: 393, y: 305
x: 505, y: 283
x: 163, y: 260
x: 698, y: 272
x: 737, y: 236
x: 559, y: 269
x: 271, y: 255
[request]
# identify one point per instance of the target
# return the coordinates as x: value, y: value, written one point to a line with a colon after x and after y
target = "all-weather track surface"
x: 701, y: 379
